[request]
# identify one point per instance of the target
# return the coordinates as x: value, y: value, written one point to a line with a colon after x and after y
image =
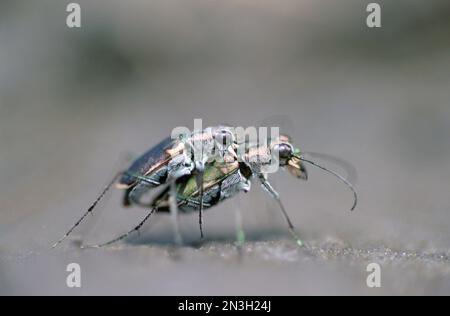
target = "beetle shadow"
x: 193, y: 240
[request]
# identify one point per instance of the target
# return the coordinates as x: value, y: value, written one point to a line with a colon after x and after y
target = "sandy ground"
x: 274, y: 267
x: 75, y: 104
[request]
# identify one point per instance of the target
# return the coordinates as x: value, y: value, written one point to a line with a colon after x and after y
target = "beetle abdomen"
x: 135, y: 193
x: 147, y: 161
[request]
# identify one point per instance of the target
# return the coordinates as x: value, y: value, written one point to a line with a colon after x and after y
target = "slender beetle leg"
x: 268, y: 187
x: 173, y: 206
x: 90, y: 209
x: 98, y: 199
x: 136, y: 229
x: 200, y: 168
x: 240, y: 234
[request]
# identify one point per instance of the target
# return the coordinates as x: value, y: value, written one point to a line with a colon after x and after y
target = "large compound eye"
x: 224, y: 137
x: 284, y: 150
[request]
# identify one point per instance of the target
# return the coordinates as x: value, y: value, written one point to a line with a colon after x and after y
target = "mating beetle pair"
x: 200, y: 170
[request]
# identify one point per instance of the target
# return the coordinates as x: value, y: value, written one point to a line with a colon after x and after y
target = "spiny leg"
x: 173, y: 206
x: 136, y: 229
x: 89, y: 211
x: 199, y: 173
x: 91, y: 208
x: 142, y: 178
x: 266, y: 185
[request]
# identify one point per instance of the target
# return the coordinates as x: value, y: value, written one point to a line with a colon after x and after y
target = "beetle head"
x: 224, y: 136
x: 225, y: 139
x: 287, y: 156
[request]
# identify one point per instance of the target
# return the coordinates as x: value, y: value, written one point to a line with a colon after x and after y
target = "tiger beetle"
x: 192, y: 184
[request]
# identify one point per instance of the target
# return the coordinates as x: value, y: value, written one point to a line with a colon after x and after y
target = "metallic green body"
x: 221, y: 181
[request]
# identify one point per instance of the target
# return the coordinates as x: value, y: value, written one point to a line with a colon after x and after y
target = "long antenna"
x: 337, y: 175
x: 351, y: 174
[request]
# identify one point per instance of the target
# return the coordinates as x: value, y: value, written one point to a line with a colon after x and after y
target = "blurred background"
x: 76, y: 104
